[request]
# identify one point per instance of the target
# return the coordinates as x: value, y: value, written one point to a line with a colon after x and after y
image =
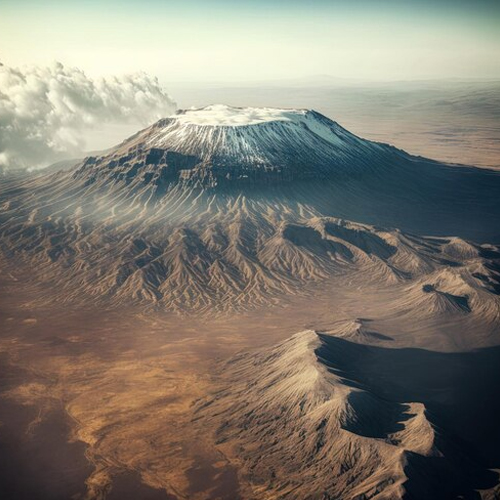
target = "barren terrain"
x: 269, y: 308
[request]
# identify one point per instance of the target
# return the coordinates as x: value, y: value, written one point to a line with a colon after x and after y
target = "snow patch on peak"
x: 231, y: 116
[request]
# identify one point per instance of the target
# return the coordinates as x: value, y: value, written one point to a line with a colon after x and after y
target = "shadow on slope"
x: 462, y: 398
x: 416, y: 195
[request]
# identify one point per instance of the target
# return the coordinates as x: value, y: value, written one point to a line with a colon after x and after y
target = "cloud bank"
x: 45, y: 111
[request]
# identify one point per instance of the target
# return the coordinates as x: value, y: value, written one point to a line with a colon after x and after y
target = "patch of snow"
x: 230, y: 116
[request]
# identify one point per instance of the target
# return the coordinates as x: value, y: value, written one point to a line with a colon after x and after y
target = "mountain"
x: 220, y: 208
x: 223, y: 146
x: 298, y: 154
x: 242, y: 222
x: 363, y: 421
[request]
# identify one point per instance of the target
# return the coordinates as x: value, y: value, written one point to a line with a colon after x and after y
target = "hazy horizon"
x: 257, y: 39
x: 79, y: 77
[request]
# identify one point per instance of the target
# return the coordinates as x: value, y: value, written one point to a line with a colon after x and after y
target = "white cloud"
x: 45, y: 112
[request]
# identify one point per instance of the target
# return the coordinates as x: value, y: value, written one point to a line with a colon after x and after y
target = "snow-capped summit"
x: 218, y: 144
x: 261, y: 135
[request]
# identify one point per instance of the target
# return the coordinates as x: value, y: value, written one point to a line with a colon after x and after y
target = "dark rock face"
x: 155, y: 167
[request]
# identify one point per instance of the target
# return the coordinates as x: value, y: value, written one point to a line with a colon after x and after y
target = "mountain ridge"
x: 360, y: 418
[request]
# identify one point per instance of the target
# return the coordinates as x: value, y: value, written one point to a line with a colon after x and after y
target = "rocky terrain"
x: 363, y: 420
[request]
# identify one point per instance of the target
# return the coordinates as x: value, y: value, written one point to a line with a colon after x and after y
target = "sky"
x: 255, y: 40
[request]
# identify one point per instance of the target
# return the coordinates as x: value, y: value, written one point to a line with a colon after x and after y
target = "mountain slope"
x: 322, y: 417
x: 293, y: 155
x: 241, y: 255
